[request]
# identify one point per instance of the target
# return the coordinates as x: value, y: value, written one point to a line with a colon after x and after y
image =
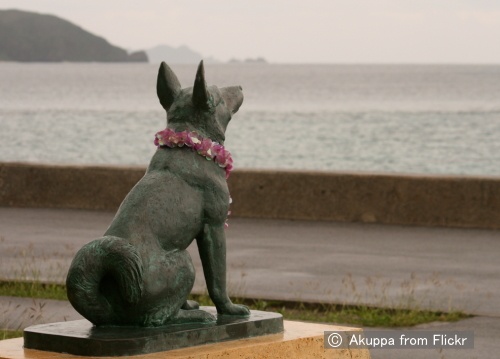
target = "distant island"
x: 28, y: 36
x: 257, y: 60
x: 33, y: 37
x: 185, y: 55
x: 177, y: 55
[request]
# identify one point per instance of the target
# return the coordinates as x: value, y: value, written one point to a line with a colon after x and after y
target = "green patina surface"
x: 139, y: 273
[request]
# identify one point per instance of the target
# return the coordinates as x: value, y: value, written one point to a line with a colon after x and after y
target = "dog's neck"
x: 203, y: 146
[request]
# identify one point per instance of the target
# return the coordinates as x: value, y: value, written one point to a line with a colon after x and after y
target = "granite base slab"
x: 80, y: 337
x: 299, y: 341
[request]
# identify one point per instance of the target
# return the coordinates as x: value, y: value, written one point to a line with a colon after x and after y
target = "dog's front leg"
x: 212, y: 249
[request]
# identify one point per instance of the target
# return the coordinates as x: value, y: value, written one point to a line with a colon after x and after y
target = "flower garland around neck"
x: 205, y: 147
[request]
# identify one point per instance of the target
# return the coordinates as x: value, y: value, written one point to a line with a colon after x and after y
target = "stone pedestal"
x: 80, y: 337
x: 299, y: 340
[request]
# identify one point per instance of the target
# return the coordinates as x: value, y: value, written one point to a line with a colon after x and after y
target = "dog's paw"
x: 235, y: 309
x: 190, y: 305
x: 193, y: 316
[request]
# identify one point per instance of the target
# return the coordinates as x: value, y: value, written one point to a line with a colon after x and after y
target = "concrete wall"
x: 374, y: 198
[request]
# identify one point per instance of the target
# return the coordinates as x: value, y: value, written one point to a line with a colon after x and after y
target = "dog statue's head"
x: 201, y: 108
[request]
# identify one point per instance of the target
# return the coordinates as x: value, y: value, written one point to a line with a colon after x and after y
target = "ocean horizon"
x: 419, y: 119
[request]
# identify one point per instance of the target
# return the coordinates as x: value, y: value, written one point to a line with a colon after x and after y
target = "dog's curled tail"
x: 105, y: 275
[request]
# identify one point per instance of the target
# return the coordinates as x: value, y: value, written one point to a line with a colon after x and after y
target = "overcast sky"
x: 295, y: 31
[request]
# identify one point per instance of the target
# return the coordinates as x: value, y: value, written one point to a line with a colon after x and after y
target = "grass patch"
x: 9, y: 334
x: 327, y: 313
x: 33, y: 290
x: 370, y: 317
x: 346, y: 314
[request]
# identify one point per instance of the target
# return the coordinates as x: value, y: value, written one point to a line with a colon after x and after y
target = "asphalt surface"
x: 426, y: 268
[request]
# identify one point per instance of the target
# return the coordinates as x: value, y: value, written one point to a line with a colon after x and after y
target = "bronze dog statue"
x: 139, y: 273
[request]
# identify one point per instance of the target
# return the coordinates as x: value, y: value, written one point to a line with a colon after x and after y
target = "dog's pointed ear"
x: 167, y: 86
x: 200, y: 92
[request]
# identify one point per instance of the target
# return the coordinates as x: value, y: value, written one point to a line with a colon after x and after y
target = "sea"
x: 417, y: 119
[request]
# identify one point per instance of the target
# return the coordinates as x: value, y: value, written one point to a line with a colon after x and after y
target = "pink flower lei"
x: 204, y: 146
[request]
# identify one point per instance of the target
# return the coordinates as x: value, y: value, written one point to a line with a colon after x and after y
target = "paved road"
x: 433, y: 268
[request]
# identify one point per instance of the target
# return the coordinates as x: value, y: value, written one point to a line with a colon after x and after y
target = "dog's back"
x: 140, y: 273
